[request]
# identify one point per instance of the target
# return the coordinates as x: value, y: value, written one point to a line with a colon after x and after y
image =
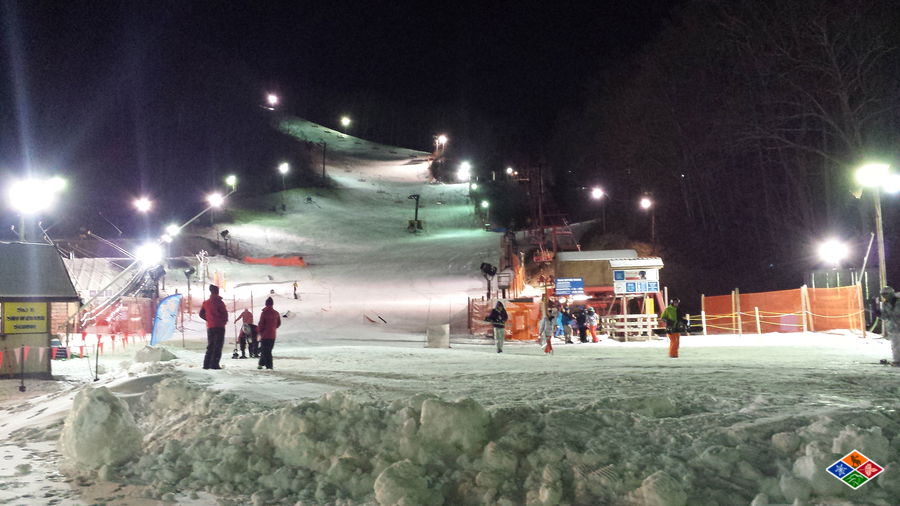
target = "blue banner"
x: 165, y: 321
x: 569, y: 286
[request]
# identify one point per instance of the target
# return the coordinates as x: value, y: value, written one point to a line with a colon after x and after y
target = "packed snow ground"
x: 362, y: 413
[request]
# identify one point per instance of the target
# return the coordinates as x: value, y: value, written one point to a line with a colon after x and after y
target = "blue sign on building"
x: 569, y: 286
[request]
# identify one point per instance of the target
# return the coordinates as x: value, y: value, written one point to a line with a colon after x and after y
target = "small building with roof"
x: 37, y: 298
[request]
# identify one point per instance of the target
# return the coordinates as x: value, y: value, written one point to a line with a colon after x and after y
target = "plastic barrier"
x: 277, y: 261
x: 798, y: 310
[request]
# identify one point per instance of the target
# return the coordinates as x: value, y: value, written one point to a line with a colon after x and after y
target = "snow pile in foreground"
x: 424, y: 450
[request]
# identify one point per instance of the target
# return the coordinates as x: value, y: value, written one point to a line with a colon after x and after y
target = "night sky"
x: 163, y: 98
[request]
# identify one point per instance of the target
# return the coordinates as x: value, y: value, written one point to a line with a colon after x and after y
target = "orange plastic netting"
x: 783, y: 311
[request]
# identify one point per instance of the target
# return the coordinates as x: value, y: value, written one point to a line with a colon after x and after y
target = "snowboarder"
x: 269, y: 321
x: 674, y: 326
x: 545, y: 330
x: 498, y: 318
x: 890, y: 322
x: 295, y: 290
x: 246, y: 331
x: 592, y: 321
x: 215, y: 313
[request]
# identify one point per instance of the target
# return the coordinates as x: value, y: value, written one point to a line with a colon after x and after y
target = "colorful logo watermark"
x: 855, y: 469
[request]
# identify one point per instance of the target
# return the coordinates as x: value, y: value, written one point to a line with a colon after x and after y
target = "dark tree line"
x: 745, y: 120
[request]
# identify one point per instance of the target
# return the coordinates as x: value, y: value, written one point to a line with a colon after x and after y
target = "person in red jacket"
x: 215, y: 313
x: 269, y: 320
x: 248, y: 333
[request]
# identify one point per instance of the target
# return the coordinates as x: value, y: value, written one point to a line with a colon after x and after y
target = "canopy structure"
x: 34, y: 272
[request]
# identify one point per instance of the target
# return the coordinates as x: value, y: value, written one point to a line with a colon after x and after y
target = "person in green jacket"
x: 675, y: 325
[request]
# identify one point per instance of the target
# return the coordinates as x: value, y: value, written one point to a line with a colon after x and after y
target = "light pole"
x: 345, y: 122
x: 647, y: 205
x: 440, y: 142
x: 487, y: 212
x: 874, y: 176
x: 271, y: 101
x: 833, y: 252
x: 465, y: 171
x: 33, y: 196
x: 283, y: 168
x: 597, y: 193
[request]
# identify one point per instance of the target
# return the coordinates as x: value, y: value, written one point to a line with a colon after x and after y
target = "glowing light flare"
x: 149, y: 254
x: 485, y: 204
x: 32, y: 196
x: 892, y: 184
x: 283, y: 168
x: 646, y: 203
x: 231, y: 180
x: 143, y: 204
x: 833, y: 251
x: 872, y: 174
x: 473, y: 186
x: 597, y: 193
x: 166, y: 238
x: 509, y: 170
x: 345, y: 121
x: 441, y: 140
x: 272, y: 99
x: 215, y: 199
x: 173, y: 230
x: 465, y: 171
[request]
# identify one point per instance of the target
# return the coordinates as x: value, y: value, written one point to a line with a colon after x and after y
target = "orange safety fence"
x: 521, y: 325
x: 798, y: 310
x: 294, y: 261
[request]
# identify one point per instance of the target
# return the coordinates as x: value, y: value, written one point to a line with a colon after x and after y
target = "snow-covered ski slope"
x: 357, y: 412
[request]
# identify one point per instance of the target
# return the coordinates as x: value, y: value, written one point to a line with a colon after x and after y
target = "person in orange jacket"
x: 215, y: 313
x: 269, y: 321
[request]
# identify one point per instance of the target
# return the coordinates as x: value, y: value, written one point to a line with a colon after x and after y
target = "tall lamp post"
x: 597, y: 193
x: 876, y: 176
x: 283, y: 168
x: 647, y: 205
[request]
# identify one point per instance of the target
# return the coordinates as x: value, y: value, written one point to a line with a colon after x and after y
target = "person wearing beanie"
x: 215, y: 313
x: 890, y: 323
x: 269, y: 321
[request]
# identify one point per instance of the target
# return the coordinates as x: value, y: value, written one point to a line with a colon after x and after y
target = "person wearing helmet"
x: 890, y: 323
x: 674, y: 326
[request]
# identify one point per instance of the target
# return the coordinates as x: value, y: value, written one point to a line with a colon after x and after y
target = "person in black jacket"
x: 581, y: 320
x: 498, y: 318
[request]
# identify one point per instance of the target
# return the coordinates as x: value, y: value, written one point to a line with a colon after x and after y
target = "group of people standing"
x: 261, y: 336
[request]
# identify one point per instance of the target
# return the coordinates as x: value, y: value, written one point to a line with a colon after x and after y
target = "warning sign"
x: 24, y: 317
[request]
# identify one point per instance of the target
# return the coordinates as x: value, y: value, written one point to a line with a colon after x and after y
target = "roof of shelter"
x: 34, y: 271
x: 605, y: 254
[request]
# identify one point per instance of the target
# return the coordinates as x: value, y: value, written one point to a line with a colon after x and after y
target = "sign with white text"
x: 569, y: 286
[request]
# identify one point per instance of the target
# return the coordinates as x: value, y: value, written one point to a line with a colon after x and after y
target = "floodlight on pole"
x: 345, y: 121
x: 833, y: 252
x: 473, y: 186
x: 149, y: 254
x: 509, y: 170
x: 215, y: 199
x: 173, y: 230
x: 143, y: 204
x: 283, y: 168
x: 231, y: 181
x: 465, y: 171
x: 33, y: 196
x: 597, y: 193
x: 646, y: 203
x: 440, y: 141
x: 272, y: 100
x: 874, y: 175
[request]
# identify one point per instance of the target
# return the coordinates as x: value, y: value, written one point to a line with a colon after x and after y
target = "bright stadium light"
x: 215, y: 199
x: 272, y: 100
x: 231, y: 181
x: 283, y: 168
x: 441, y: 141
x: 33, y: 196
x: 345, y: 121
x: 892, y: 184
x: 173, y: 230
x: 597, y: 193
x: 646, y: 203
x: 485, y: 204
x: 166, y: 238
x: 143, y: 204
x: 465, y: 171
x: 149, y: 254
x: 872, y: 174
x: 509, y: 170
x: 833, y: 252
x: 473, y: 186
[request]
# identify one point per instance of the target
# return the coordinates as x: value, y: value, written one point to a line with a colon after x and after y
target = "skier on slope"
x: 592, y: 321
x: 248, y: 333
x: 890, y: 322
